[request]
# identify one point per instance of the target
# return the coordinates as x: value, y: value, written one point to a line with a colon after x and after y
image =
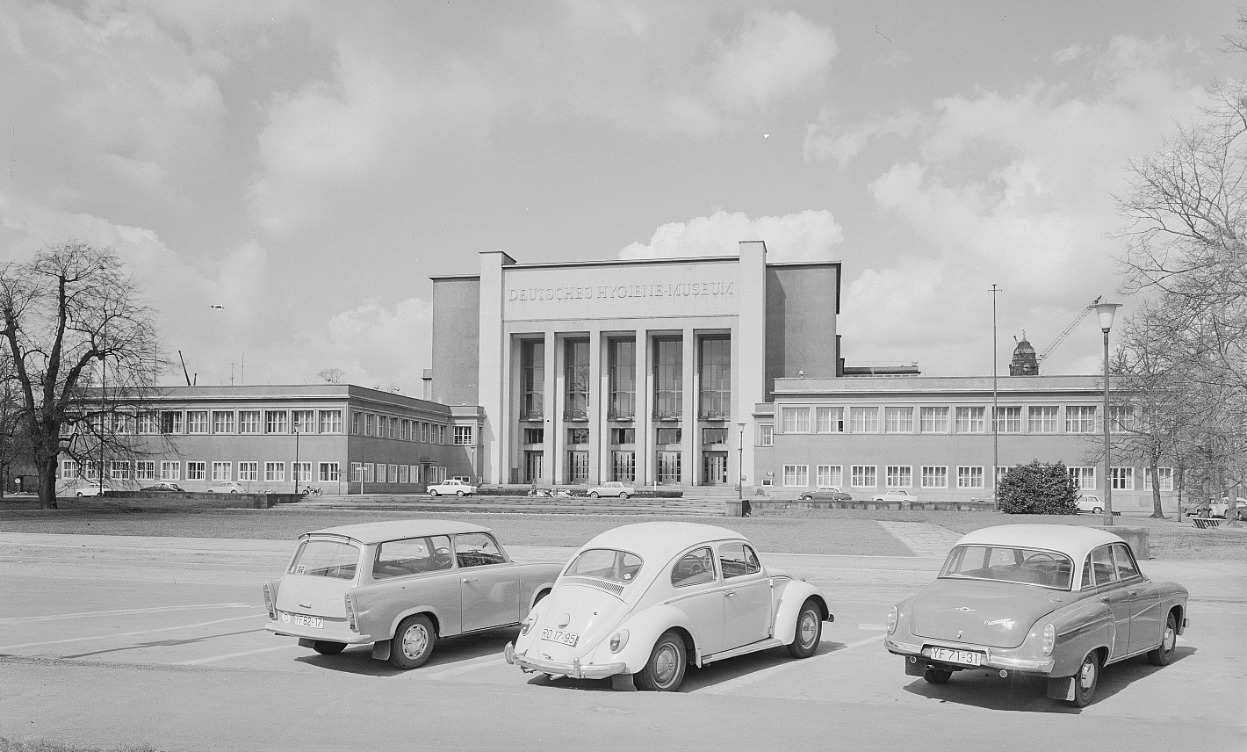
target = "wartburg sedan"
x: 400, y: 586
x: 641, y: 602
x: 1054, y: 601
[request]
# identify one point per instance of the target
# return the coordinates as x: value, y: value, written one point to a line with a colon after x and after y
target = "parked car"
x: 645, y: 600
x: 93, y: 489
x: 400, y: 586
x: 825, y: 493
x: 451, y: 487
x: 226, y: 486
x: 895, y: 494
x: 1090, y: 503
x: 1222, y: 508
x: 611, y: 488
x: 162, y: 486
x: 1054, y: 601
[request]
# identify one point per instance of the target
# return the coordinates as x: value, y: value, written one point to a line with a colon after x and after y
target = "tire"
x: 413, y: 642
x: 1097, y: 510
x: 935, y: 675
x: 1086, y: 679
x: 664, y: 671
x: 433, y: 492
x: 458, y: 493
x: 325, y: 647
x: 211, y: 491
x: 809, y: 631
x: 623, y: 495
x: 79, y: 494
x: 1163, y: 655
x: 593, y: 494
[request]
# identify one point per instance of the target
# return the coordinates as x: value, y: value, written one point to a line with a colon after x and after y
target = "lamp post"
x: 995, y: 411
x: 1106, y: 311
x: 740, y: 471
x: 296, y: 460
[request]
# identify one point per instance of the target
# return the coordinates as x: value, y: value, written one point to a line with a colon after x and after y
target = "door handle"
x: 1132, y: 592
x: 469, y: 579
x: 729, y: 594
x: 1104, y: 600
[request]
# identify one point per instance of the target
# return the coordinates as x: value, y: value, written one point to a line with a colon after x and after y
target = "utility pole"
x: 995, y: 410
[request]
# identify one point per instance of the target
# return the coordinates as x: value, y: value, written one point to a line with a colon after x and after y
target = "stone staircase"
x: 702, y: 505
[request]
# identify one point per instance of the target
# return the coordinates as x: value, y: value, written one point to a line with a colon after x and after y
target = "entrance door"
x: 714, y: 468
x: 533, y: 466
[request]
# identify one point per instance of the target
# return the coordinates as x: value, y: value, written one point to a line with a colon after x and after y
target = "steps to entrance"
x: 516, y: 505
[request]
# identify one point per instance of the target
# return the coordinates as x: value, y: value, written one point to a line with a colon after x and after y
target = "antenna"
x: 184, y: 371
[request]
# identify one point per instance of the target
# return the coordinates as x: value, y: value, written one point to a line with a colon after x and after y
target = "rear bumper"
x: 917, y: 655
x: 574, y: 669
x: 348, y: 638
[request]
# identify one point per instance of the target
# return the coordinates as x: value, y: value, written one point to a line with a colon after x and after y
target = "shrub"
x: 1038, y: 488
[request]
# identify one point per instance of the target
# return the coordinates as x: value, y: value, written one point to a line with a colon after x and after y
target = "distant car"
x: 452, y: 487
x: 226, y: 486
x: 646, y: 600
x: 1058, y: 602
x: 896, y: 494
x: 825, y: 493
x: 611, y: 488
x: 400, y: 586
x: 1090, y: 503
x: 1222, y: 508
x: 162, y: 487
x: 92, y: 490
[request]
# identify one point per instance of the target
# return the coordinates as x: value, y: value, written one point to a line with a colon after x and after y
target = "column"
x: 549, y: 404
x: 597, y: 416
x: 749, y: 348
x: 641, y: 419
x: 492, y: 383
x: 689, y: 467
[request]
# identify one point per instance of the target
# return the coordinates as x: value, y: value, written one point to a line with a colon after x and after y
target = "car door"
x: 489, y: 586
x: 1113, y: 593
x: 747, y: 609
x: 698, y: 592
x: 1146, y: 619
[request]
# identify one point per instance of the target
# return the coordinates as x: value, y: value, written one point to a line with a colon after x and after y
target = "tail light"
x: 350, y: 612
x: 1049, y: 639
x: 892, y: 618
x: 619, y: 640
x: 527, y: 624
x: 270, y: 602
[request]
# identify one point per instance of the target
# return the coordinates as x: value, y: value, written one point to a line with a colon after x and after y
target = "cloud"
x: 775, y: 56
x: 807, y: 236
x: 828, y: 139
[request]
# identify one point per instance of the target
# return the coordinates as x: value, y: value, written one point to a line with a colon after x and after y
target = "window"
x: 970, y: 477
x: 1042, y: 419
x: 69, y: 469
x: 623, y: 435
x: 144, y: 470
x: 171, y: 422
x: 933, y: 419
x: 222, y: 421
x: 1122, y: 418
x: 694, y: 568
x: 381, y: 478
x: 221, y: 471
x: 712, y: 436
x: 669, y: 467
x: 577, y: 436
x: 738, y: 559
x: 900, y: 476
x: 829, y: 419
x: 1164, y: 475
x: 715, y: 398
x: 415, y: 473
x: 621, y: 365
x: 424, y: 432
x: 411, y: 556
x: 274, y: 471
x: 865, y: 476
x: 864, y: 419
x: 303, y: 421
x: 797, y: 475
x: 1121, y: 478
x: 248, y: 421
x: 766, y: 434
x: 1124, y: 563
x: 934, y: 476
x: 302, y: 471
x: 577, y: 467
x: 971, y: 420
x: 329, y: 472
x: 196, y: 421
x: 830, y: 475
x: 119, y: 469
x: 90, y: 471
x: 463, y: 435
x: 668, y: 436
x: 276, y: 421
x: 576, y: 379
x: 404, y: 430
x: 898, y: 420
x: 1009, y: 420
x: 532, y: 380
x: 534, y: 435
x: 331, y: 421
x: 357, y: 472
x: 1080, y: 419
x: 402, y: 472
x: 795, y: 419
x: 170, y: 470
x: 357, y: 423
x: 149, y: 423
x: 248, y: 471
x: 1084, y: 477
x: 196, y: 470
x: 668, y: 378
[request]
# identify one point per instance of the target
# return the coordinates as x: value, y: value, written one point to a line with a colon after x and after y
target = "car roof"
x: 376, y: 532
x: 656, y: 539
x: 1068, y: 539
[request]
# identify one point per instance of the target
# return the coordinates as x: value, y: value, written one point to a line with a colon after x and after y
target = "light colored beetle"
x: 643, y: 601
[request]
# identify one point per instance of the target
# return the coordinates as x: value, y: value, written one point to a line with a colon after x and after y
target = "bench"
x: 1204, y: 523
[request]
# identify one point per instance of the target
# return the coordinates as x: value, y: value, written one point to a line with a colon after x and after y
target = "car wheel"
x: 623, y: 495
x: 458, y: 493
x: 413, y: 642
x: 1163, y: 655
x: 593, y: 494
x: 809, y: 631
x: 664, y: 671
x: 935, y: 675
x: 233, y: 490
x: 325, y: 647
x: 79, y: 494
x: 1097, y: 510
x: 1085, y: 680
x: 433, y: 492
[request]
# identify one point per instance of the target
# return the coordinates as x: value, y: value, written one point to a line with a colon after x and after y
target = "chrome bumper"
x: 992, y: 658
x: 574, y: 669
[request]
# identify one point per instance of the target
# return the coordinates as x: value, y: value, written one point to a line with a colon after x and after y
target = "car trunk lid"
x: 582, y: 608
x: 992, y: 614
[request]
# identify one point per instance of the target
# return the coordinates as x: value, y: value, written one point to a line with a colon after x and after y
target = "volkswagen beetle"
x: 1054, y: 601
x: 641, y: 602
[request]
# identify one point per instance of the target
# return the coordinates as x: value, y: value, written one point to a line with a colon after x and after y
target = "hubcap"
x: 1170, y: 638
x: 1086, y: 677
x: 414, y: 642
x: 808, y: 628
x: 665, y: 665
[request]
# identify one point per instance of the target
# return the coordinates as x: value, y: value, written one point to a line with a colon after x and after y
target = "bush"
x: 1038, y: 488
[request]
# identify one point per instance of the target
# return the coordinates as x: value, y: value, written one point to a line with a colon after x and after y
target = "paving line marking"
x: 464, y: 667
x: 741, y: 681
x: 129, y: 634
x: 227, y: 656
x: 118, y: 612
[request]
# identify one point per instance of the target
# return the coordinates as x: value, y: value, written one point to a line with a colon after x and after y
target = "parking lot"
x: 110, y: 640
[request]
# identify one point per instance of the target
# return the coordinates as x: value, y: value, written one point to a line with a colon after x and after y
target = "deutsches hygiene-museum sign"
x: 557, y: 294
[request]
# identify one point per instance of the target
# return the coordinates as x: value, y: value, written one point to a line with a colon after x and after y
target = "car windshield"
x: 1027, y: 566
x: 606, y: 564
x: 326, y: 558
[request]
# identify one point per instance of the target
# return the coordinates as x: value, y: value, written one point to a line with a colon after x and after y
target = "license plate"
x: 558, y: 635
x: 964, y: 657
x: 303, y: 620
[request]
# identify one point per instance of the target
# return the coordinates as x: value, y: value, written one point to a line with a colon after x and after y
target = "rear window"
x: 326, y: 558
x: 606, y: 564
x: 1026, y: 566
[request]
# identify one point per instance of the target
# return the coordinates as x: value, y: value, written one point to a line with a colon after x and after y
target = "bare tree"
x: 67, y: 315
x: 331, y: 375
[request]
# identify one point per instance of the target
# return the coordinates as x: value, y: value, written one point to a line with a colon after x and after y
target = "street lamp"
x: 740, y: 470
x: 1106, y: 311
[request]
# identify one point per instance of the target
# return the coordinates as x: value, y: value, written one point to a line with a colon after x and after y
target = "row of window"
x: 216, y: 421
x: 404, y: 429
x: 274, y: 471
x: 1042, y: 419
x: 942, y: 476
x: 626, y: 436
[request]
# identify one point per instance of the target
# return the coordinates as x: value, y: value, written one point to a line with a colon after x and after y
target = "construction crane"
x: 1061, y: 337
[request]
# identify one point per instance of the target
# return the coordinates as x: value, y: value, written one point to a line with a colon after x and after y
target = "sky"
x: 283, y: 177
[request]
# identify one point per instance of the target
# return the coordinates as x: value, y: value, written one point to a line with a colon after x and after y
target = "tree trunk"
x: 46, y: 471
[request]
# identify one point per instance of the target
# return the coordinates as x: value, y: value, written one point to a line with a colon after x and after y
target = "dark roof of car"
x: 376, y: 532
